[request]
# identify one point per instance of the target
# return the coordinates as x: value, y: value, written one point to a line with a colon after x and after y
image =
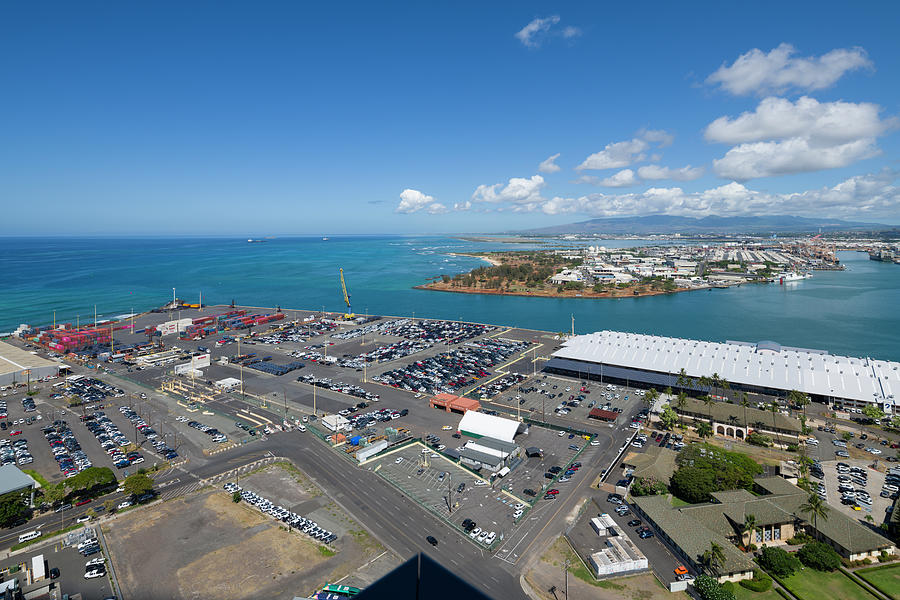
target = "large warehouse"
x: 17, y: 365
x: 764, y: 367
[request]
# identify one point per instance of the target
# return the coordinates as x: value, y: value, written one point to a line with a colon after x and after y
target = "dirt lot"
x: 548, y: 572
x: 205, y: 546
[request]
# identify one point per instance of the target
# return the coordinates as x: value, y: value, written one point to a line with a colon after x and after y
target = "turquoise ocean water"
x: 855, y: 312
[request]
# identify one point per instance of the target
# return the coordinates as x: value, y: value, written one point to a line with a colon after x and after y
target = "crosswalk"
x: 181, y: 490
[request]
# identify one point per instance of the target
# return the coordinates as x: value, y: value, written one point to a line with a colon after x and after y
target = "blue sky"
x: 281, y: 118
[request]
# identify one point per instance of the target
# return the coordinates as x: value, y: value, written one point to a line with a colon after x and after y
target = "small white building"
x: 335, y: 423
x: 229, y: 383
x: 566, y: 276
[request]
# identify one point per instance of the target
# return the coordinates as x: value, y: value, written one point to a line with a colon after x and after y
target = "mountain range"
x: 668, y: 224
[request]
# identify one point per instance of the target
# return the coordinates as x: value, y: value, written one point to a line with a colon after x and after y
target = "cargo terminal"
x: 762, y: 368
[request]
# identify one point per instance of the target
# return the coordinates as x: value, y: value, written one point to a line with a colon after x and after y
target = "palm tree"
x: 732, y: 420
x: 745, y: 403
x: 681, y: 402
x: 714, y: 557
x: 749, y: 527
x: 704, y: 382
x: 816, y: 507
x: 774, y: 408
x: 716, y: 382
x: 650, y: 397
x: 725, y: 387
x: 704, y: 429
x: 682, y: 379
x: 709, y: 401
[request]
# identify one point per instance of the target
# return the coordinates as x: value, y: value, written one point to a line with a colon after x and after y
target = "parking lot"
x: 873, y: 485
x: 72, y: 568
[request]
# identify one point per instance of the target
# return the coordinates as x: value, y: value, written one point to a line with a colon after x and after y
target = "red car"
x: 553, y: 492
x: 16, y: 432
x: 82, y: 502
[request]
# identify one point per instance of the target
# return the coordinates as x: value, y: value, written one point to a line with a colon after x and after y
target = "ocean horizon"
x: 850, y: 312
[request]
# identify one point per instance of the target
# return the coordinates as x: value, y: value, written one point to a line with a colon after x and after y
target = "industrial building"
x: 454, y: 404
x: 18, y: 366
x: 764, y: 367
x: 493, y: 447
x: 12, y: 479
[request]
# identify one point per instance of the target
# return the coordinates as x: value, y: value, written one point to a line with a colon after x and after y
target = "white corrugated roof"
x: 488, y: 425
x: 764, y: 364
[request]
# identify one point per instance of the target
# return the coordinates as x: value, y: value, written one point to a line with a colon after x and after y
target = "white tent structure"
x: 478, y: 425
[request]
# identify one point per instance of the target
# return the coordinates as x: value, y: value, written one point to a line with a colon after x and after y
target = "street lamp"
x: 449, y: 494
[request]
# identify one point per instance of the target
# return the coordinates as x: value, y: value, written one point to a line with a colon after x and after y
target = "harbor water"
x: 853, y: 312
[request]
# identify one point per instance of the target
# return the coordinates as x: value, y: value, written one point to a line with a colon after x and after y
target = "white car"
x: 475, y: 532
x: 446, y: 428
x: 562, y: 433
x: 482, y: 536
x: 517, y: 514
x: 519, y: 506
x: 399, y: 460
x: 94, y: 573
x: 94, y: 562
x: 480, y: 482
x: 490, y: 538
x: 124, y: 504
x: 595, y: 442
x: 83, y: 519
x: 874, y: 450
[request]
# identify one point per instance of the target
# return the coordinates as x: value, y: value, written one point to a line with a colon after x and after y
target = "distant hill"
x: 667, y: 224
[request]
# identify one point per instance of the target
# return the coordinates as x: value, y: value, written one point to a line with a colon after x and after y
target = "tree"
x: 704, y: 429
x: 774, y: 408
x: 714, y: 557
x: 750, y: 527
x: 14, y: 509
x: 668, y: 417
x: 816, y: 507
x: 681, y: 402
x: 108, y: 505
x: 709, y: 401
x: 236, y: 496
x: 798, y: 399
x: 710, y: 589
x: 744, y: 404
x: 778, y: 562
x: 682, y: 380
x: 137, y: 484
x: 873, y: 412
x: 650, y: 397
x: 819, y: 556
x: 693, y: 484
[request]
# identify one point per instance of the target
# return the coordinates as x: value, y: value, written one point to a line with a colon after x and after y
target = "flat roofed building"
x: 456, y: 404
x: 765, y: 367
x: 477, y: 425
x: 18, y: 366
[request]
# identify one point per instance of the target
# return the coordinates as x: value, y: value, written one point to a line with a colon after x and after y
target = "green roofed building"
x: 776, y: 510
x: 728, y: 420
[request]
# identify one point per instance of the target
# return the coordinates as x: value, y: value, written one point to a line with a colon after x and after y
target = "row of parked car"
x: 307, y: 526
x: 15, y: 452
x: 450, y: 371
x: 66, y: 449
x: 111, y: 439
x: 216, y: 435
x: 338, y: 386
x: 149, y: 433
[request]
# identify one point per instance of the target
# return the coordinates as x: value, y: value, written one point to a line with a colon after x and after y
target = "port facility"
x: 761, y: 368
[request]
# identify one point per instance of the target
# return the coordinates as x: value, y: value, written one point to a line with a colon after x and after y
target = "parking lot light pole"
x: 449, y: 495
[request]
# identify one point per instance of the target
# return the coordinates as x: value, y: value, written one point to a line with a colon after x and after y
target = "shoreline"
x: 491, y: 261
x: 583, y: 294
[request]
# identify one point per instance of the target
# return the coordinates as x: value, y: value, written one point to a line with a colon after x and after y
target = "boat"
x: 324, y: 239
x: 252, y: 241
x: 790, y: 277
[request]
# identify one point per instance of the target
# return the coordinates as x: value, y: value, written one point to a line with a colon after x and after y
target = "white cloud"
x: 413, y: 201
x: 657, y: 136
x: 687, y: 173
x: 624, y: 178
x: 871, y: 196
x: 616, y: 156
x: 462, y: 205
x: 820, y: 122
x: 796, y: 155
x: 518, y: 191
x: 549, y: 165
x: 782, y: 137
x: 780, y: 70
x: 571, y: 32
x: 530, y: 34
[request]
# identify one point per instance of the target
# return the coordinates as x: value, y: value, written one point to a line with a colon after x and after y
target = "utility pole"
x: 566, y: 567
x: 449, y: 495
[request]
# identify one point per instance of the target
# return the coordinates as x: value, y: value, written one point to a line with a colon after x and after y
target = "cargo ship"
x: 790, y: 277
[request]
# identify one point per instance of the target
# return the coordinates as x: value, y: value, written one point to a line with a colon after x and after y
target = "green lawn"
x: 742, y: 593
x: 676, y: 502
x: 810, y: 584
x: 886, y: 579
